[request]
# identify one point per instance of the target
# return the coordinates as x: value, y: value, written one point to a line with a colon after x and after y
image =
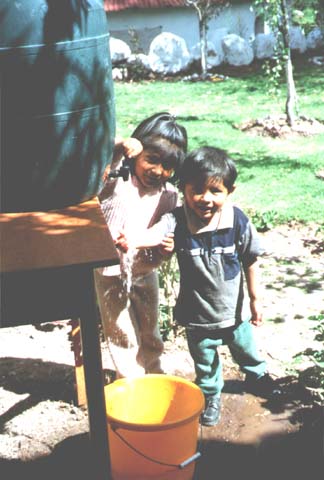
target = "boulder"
x: 237, y: 50
x: 297, y: 39
x: 315, y: 39
x: 168, y: 54
x: 214, y: 57
x: 215, y: 37
x: 119, y: 50
x: 264, y: 45
x: 139, y: 59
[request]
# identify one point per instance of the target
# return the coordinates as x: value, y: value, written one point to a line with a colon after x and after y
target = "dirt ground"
x: 44, y: 434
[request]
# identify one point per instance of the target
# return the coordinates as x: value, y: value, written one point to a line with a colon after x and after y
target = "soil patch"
x: 277, y: 127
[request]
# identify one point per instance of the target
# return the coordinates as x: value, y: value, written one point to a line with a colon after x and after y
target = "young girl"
x: 128, y: 293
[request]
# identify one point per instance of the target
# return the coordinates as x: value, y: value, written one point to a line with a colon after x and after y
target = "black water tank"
x: 57, y: 102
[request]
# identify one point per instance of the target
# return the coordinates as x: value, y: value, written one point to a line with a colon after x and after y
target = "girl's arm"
x: 148, y: 239
x: 159, y: 235
x: 254, y: 291
x: 129, y: 147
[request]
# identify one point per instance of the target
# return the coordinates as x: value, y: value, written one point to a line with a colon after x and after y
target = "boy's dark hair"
x: 208, y: 163
x: 163, y: 126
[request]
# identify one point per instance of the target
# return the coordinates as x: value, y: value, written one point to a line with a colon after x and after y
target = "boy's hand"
x: 256, y: 312
x: 167, y: 244
x: 132, y: 147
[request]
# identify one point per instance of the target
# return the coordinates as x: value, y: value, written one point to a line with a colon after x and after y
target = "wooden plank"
x: 75, y: 235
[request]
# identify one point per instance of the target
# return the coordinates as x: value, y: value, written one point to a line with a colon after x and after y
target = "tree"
x: 279, y: 14
x: 205, y: 9
x: 275, y: 14
x: 291, y: 102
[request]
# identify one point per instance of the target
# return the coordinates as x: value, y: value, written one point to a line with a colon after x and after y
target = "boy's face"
x: 151, y: 171
x: 206, y: 200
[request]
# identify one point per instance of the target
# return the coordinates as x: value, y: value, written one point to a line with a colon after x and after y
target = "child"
x: 215, y: 242
x: 128, y: 293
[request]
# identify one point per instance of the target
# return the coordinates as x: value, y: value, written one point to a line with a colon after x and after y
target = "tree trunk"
x: 203, y: 46
x: 291, y: 103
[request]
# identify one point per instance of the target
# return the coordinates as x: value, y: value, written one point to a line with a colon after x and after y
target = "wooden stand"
x: 47, y: 262
x: 78, y: 362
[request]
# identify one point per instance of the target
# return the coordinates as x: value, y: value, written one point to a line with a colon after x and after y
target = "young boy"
x: 215, y: 244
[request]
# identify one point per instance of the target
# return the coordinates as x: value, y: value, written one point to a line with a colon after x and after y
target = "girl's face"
x: 205, y: 201
x: 151, y: 171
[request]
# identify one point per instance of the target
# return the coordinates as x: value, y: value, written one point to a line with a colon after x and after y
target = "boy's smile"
x: 206, y: 200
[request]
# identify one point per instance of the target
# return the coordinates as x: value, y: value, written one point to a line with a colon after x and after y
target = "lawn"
x: 277, y: 176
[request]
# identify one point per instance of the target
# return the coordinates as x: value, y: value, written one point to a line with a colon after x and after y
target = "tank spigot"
x: 123, y: 171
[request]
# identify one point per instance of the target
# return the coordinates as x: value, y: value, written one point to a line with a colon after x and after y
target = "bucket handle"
x: 181, y: 465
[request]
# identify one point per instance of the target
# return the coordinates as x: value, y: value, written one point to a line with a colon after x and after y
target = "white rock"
x: 237, y: 50
x: 264, y: 45
x: 119, y: 50
x: 297, y: 39
x: 315, y: 39
x: 214, y: 57
x: 168, y: 54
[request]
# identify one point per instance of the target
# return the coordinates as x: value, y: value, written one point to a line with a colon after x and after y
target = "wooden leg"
x: 78, y: 361
x: 94, y: 380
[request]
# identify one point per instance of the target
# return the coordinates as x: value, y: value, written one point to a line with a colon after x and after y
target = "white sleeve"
x: 154, y: 235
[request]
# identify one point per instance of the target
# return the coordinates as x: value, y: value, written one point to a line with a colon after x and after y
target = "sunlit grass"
x: 274, y: 174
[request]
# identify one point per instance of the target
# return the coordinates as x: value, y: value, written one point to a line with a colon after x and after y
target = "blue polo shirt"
x: 211, y: 268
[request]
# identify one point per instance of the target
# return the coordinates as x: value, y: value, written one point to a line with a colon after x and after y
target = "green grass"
x: 276, y: 175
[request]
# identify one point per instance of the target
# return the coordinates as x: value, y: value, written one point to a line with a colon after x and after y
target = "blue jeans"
x: 208, y: 366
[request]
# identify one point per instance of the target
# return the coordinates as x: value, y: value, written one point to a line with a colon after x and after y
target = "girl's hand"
x: 256, y: 312
x: 129, y: 147
x: 132, y: 147
x: 105, y: 175
x: 122, y: 242
x: 167, y: 245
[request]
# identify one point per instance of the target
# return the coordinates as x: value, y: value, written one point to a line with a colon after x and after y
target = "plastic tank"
x: 57, y: 102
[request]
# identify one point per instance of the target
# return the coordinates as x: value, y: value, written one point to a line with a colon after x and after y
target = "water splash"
x: 128, y: 262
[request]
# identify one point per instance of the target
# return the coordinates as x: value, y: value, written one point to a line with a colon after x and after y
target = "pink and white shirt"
x: 127, y: 207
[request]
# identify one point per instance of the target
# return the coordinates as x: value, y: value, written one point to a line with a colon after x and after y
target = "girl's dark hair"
x: 206, y: 163
x: 163, y: 126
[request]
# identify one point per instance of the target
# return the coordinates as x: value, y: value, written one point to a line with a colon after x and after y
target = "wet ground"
x: 259, y: 441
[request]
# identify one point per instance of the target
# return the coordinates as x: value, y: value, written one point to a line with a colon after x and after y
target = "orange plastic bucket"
x: 153, y: 427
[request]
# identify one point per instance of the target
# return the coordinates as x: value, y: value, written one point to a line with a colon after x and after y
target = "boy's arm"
x: 253, y: 286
